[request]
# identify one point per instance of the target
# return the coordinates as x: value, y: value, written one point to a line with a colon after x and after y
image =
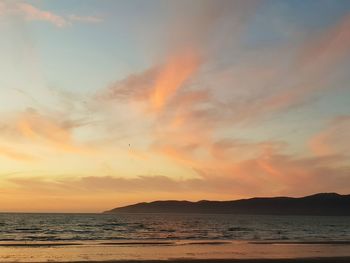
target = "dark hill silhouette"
x: 326, y: 204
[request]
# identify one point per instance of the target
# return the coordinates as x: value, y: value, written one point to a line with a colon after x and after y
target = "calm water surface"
x: 80, y: 227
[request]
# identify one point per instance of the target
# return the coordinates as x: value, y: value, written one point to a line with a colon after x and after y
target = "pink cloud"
x: 328, y: 48
x: 334, y: 139
x: 32, y: 13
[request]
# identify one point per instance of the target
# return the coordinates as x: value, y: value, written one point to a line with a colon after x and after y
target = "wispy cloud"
x: 334, y: 139
x: 32, y: 13
x: 171, y: 77
x: 45, y: 130
x: 16, y: 155
x: 327, y: 49
x: 86, y: 19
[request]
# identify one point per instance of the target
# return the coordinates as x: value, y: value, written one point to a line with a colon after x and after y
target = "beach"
x: 177, y: 251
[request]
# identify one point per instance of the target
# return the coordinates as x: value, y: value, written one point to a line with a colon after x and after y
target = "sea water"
x: 84, y: 227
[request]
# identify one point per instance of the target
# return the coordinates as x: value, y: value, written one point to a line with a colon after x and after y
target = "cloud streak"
x: 334, y: 139
x: 15, y: 155
x: 32, y: 13
x: 41, y: 130
x: 172, y: 76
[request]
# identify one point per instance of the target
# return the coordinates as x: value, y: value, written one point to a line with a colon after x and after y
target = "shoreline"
x: 253, y: 260
x: 219, y: 260
x: 175, y: 252
x: 151, y: 242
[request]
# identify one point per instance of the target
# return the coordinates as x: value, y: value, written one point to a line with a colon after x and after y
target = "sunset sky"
x: 108, y: 103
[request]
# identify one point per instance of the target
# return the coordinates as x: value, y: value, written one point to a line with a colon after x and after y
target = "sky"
x: 109, y: 103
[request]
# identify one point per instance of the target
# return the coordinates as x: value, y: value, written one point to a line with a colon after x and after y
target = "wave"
x: 68, y: 228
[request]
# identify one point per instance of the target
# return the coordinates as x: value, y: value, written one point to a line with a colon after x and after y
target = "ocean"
x: 161, y: 227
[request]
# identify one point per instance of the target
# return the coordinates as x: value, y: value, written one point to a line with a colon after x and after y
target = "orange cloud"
x: 171, y: 77
x: 15, y: 155
x: 36, y: 127
x: 54, y: 131
x: 157, y: 85
x: 334, y: 140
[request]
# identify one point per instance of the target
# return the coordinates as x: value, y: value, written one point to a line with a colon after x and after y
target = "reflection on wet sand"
x: 174, y: 251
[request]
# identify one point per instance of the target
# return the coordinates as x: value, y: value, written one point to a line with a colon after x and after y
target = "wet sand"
x: 176, y: 251
x: 295, y: 260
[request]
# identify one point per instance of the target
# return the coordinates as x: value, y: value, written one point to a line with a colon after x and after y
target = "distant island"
x: 325, y: 204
